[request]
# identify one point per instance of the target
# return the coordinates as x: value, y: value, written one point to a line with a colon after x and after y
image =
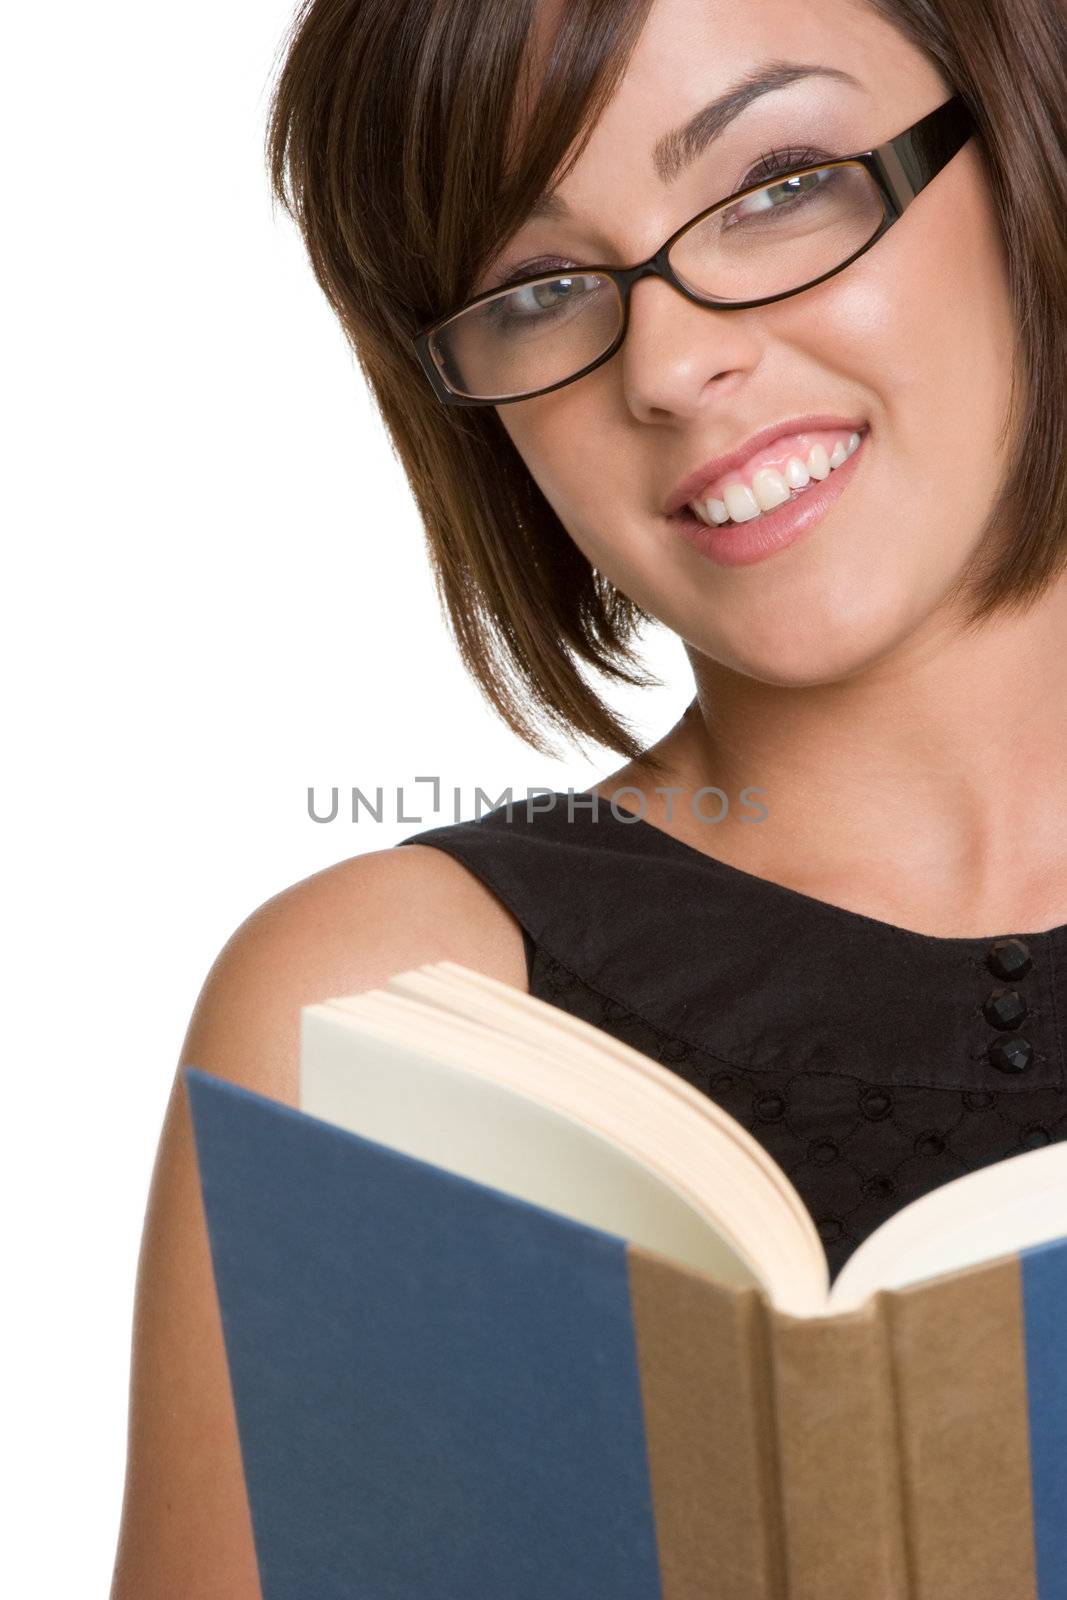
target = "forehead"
x: 691, y: 52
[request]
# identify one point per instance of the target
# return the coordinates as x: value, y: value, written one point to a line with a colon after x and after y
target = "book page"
x: 993, y: 1212
x: 657, y: 1120
x: 478, y: 1129
x: 476, y: 996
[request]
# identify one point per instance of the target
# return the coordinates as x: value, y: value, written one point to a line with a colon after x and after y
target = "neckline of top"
x: 823, y: 907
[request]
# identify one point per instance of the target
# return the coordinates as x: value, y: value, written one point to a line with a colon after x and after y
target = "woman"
x: 824, y: 444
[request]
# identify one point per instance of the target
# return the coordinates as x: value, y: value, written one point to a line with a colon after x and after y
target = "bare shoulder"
x: 350, y: 927
x: 185, y: 1528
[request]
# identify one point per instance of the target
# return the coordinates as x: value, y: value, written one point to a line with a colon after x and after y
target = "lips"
x: 691, y: 486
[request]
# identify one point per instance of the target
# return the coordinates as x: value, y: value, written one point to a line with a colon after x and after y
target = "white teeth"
x: 741, y: 503
x: 771, y: 488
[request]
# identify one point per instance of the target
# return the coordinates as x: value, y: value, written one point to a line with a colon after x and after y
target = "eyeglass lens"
x: 776, y: 239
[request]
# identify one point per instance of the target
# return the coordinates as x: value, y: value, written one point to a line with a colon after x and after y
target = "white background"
x: 216, y: 595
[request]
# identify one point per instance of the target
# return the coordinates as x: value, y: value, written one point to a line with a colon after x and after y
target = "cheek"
x: 572, y: 449
x: 927, y: 328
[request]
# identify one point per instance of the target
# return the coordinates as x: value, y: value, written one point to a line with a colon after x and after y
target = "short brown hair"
x: 391, y: 143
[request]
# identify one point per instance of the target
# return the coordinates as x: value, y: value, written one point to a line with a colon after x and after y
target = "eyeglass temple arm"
x: 912, y: 159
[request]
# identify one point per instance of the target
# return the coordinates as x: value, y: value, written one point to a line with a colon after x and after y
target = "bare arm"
x: 185, y: 1532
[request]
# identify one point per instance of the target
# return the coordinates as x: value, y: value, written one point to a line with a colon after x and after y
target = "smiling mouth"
x: 771, y: 486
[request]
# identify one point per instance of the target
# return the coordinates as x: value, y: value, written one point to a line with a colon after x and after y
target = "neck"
x: 932, y: 783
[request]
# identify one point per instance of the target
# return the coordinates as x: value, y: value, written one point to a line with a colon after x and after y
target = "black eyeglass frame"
x: 901, y: 169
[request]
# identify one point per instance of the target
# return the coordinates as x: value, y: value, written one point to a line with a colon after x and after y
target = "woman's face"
x: 915, y: 340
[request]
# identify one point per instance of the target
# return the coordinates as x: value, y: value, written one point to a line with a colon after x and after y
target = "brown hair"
x: 391, y: 142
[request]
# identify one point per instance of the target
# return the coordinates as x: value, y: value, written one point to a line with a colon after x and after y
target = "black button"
x: 1012, y: 1054
x: 1009, y: 959
x: 1005, y: 1008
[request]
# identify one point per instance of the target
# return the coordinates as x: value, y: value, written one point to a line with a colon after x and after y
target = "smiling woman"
x: 407, y: 217
x: 749, y: 318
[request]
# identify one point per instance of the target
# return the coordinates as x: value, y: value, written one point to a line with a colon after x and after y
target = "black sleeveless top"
x: 872, y: 1062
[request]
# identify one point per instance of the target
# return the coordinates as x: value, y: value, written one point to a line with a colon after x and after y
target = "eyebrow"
x: 679, y: 149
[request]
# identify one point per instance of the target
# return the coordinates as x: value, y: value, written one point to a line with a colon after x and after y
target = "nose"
x: 675, y: 349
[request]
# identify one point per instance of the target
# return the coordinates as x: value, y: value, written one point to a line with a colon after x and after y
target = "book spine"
x: 836, y: 1442
x: 709, y: 1432
x: 958, y: 1347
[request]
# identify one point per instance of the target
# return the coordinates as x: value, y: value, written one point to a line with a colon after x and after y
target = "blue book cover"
x: 448, y: 1393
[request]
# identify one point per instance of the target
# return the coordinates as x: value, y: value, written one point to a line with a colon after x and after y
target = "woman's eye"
x: 543, y: 296
x: 772, y: 164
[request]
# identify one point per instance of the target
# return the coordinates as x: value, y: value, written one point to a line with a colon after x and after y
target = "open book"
x: 597, y: 1265
x: 569, y: 1117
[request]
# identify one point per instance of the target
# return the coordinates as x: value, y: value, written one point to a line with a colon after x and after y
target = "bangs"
x: 502, y: 101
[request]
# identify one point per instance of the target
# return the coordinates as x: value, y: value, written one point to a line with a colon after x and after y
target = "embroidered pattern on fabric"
x: 856, y: 1152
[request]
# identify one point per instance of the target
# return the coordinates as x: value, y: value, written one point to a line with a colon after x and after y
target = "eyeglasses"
x: 764, y: 243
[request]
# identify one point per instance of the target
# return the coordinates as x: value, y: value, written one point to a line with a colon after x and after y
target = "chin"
x: 804, y: 646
